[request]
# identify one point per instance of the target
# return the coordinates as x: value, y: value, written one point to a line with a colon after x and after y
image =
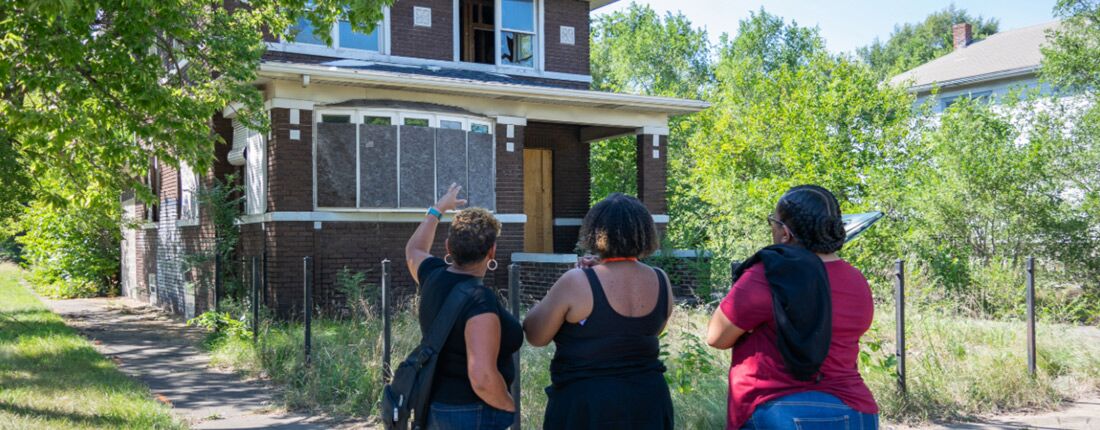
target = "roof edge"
x: 986, y: 77
x: 487, y: 89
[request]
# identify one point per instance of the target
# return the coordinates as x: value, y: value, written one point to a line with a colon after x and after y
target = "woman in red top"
x: 763, y: 394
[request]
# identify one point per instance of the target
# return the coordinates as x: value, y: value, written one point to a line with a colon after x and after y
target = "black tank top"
x: 607, y: 343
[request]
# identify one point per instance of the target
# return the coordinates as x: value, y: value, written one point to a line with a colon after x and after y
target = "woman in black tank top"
x: 604, y: 320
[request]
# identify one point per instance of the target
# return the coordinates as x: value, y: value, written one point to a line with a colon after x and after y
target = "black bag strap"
x: 448, y: 314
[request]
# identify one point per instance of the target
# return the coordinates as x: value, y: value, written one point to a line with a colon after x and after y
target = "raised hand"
x: 450, y: 200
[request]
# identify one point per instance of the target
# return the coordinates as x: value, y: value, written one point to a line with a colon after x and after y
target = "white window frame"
x: 397, y: 117
x: 536, y: 44
x: 195, y: 217
x: 383, y: 29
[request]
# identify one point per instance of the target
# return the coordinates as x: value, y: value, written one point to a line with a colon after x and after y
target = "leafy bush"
x: 72, y: 250
x: 363, y: 299
x: 221, y: 325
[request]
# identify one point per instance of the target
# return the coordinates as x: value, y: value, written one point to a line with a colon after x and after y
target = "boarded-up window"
x: 336, y: 165
x: 370, y: 165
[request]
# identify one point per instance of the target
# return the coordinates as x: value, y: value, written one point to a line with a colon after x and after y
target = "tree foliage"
x: 913, y: 44
x: 93, y: 89
x: 637, y: 51
x: 1070, y: 57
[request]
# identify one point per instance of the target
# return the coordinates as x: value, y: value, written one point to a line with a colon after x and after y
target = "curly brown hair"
x: 472, y: 234
x: 619, y: 226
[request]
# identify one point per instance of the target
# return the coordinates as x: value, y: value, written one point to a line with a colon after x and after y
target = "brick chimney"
x: 961, y: 34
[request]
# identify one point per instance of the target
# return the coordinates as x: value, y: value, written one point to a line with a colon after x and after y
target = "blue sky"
x: 845, y: 24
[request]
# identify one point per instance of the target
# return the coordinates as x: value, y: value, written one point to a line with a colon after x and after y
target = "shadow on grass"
x: 72, y: 418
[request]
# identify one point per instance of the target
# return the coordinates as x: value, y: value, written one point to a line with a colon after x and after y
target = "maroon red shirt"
x: 757, y: 374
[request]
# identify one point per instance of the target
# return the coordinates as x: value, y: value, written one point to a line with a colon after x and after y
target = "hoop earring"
x: 451, y: 262
x: 492, y: 265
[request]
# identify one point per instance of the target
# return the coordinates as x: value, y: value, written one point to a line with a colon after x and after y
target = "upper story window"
x: 517, y: 34
x: 343, y: 36
x: 500, y: 32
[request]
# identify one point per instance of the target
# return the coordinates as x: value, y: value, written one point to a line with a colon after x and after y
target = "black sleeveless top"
x: 607, y: 343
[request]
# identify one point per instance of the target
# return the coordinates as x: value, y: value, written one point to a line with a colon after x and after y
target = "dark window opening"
x: 477, y: 28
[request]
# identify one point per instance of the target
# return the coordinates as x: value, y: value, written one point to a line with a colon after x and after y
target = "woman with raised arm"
x: 470, y: 388
x: 794, y: 317
x: 604, y: 320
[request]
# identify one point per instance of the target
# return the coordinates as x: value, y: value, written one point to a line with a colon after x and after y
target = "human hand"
x: 450, y: 200
x: 587, y: 261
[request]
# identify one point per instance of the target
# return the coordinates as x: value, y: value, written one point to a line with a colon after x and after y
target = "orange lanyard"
x: 614, y: 259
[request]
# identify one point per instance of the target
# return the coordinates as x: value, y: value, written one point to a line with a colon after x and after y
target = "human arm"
x: 482, y: 348
x: 419, y: 245
x: 545, y: 319
x: 747, y: 306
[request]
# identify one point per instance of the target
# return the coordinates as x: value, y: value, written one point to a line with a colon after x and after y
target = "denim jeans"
x: 473, y: 416
x: 811, y: 410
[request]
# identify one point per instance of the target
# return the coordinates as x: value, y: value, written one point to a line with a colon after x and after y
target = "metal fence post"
x: 255, y: 298
x: 899, y: 308
x: 217, y: 278
x: 513, y: 297
x: 1031, y: 365
x: 307, y: 287
x: 387, y: 346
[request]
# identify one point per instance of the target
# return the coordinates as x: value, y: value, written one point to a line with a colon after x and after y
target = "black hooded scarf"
x: 801, y: 304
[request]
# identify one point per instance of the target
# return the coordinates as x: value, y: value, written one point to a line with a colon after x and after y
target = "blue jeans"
x: 811, y: 410
x: 473, y: 416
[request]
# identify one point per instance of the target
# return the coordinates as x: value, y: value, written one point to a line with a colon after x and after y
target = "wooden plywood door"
x: 538, y: 192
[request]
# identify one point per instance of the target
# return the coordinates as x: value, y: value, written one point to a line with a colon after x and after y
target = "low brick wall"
x: 539, y: 272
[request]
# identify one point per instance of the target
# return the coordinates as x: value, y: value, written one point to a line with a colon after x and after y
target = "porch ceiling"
x: 491, y: 90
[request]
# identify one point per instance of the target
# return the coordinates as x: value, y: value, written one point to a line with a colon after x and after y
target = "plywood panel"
x: 482, y: 187
x: 450, y: 161
x: 417, y: 166
x: 378, y: 166
x: 335, y: 165
x: 537, y: 200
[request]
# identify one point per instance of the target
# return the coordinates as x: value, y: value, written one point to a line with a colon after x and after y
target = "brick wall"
x: 290, y: 163
x: 571, y: 176
x: 561, y: 57
x: 652, y: 171
x: 435, y: 42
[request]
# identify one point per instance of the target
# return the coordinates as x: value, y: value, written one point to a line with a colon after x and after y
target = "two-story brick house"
x: 492, y: 94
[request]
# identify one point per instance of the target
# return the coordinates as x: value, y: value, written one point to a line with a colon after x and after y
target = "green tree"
x: 93, y: 89
x: 637, y: 51
x: 786, y: 112
x: 1069, y: 59
x: 913, y: 44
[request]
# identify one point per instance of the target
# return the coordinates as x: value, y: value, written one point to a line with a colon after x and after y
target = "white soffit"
x: 493, y: 90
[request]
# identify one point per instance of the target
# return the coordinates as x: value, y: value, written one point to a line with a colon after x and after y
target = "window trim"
x: 397, y: 116
x: 196, y: 216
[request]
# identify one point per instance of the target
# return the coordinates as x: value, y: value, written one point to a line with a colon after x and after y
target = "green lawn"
x: 51, y: 377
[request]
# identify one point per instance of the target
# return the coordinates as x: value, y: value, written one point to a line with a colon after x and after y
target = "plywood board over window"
x: 417, y: 167
x: 378, y: 166
x: 481, y: 152
x: 450, y: 161
x: 336, y: 165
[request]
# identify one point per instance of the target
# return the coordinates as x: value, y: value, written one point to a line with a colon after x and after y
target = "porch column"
x: 652, y: 159
x: 509, y: 191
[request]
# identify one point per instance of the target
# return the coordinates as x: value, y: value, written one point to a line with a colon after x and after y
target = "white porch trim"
x: 391, y: 216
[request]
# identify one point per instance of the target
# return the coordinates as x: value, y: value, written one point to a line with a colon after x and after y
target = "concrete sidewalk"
x: 160, y: 352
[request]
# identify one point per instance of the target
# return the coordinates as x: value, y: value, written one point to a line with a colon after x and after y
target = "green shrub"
x: 221, y: 325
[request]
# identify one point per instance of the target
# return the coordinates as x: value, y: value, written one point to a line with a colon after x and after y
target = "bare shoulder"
x: 571, y: 281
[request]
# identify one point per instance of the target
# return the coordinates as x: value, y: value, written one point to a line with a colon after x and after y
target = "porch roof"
x: 470, y: 86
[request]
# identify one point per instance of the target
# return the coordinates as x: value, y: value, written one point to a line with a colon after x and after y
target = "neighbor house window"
x: 517, y: 33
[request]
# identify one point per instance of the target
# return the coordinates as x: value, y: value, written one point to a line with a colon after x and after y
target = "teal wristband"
x: 435, y: 212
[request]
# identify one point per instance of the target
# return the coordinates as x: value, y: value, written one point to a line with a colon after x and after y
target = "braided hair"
x: 812, y: 213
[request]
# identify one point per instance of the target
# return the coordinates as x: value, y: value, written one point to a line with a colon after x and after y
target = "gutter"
x: 993, y: 76
x: 484, y: 89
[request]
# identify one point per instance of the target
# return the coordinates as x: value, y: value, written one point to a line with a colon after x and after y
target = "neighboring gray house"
x: 987, y: 68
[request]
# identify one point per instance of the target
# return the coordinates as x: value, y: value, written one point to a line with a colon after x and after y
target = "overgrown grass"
x: 957, y: 367
x: 51, y: 377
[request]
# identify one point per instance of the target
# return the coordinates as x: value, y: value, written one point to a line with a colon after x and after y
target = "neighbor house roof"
x: 1007, y: 54
x: 596, y: 4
